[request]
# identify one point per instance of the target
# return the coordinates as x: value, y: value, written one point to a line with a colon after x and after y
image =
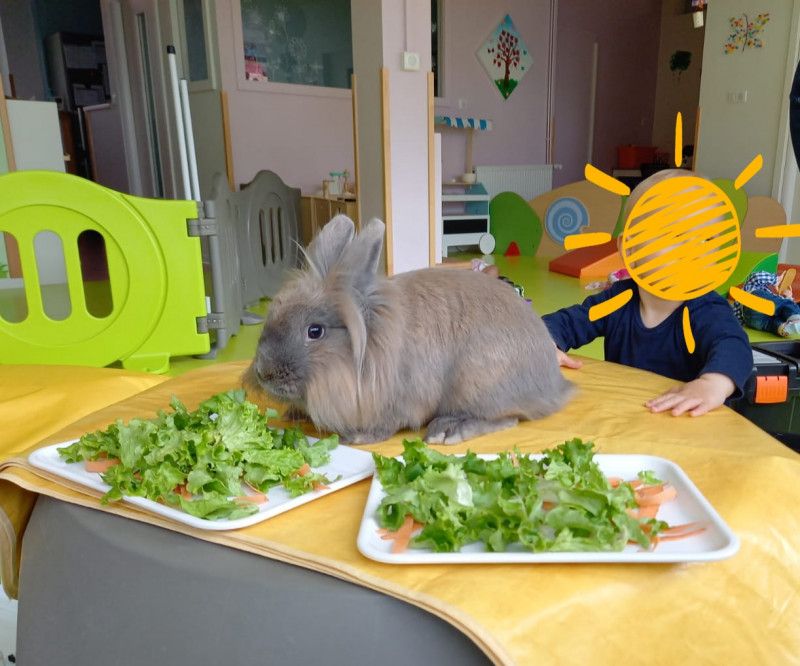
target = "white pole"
x: 176, y: 100
x: 192, y: 156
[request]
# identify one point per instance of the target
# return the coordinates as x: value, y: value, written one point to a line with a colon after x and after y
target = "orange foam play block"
x: 589, y: 262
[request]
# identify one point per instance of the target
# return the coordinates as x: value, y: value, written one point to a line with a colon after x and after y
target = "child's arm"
x: 697, y: 397
x: 727, y: 363
x: 567, y: 361
x: 571, y: 327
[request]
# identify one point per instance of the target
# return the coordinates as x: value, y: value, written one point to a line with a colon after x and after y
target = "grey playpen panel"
x: 268, y: 234
x: 253, y: 245
x: 226, y: 282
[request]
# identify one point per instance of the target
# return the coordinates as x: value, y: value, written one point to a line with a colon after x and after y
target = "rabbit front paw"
x: 455, y: 429
x: 367, y: 437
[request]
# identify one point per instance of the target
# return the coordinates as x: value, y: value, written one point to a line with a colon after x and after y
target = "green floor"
x: 548, y: 291
x: 241, y: 346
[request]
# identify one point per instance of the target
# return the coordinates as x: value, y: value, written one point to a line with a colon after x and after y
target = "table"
x: 744, y: 608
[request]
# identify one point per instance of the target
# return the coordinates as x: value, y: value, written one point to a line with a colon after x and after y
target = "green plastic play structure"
x: 512, y: 219
x: 155, y: 273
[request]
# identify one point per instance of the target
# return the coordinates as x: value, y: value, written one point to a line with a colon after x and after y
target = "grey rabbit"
x: 365, y: 356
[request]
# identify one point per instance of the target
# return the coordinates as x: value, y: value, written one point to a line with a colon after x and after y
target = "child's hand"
x: 566, y: 362
x: 697, y: 397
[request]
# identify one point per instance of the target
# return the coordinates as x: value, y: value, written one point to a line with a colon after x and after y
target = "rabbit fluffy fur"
x: 365, y: 356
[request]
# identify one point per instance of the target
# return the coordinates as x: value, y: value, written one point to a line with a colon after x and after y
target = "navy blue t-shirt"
x: 721, y: 343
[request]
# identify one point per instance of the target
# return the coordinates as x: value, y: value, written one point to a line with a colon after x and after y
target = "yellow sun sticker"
x: 682, y: 239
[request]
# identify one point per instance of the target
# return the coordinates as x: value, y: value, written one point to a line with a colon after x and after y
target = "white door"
x: 141, y: 32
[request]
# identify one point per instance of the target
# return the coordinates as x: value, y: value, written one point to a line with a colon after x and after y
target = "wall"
x: 367, y: 59
x: 677, y: 92
x: 302, y: 137
x: 732, y: 134
x: 520, y: 122
x: 408, y: 103
x: 381, y: 32
x: 24, y: 63
x: 627, y: 40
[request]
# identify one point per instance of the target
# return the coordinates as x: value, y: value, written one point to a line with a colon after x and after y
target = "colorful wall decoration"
x: 745, y: 33
x: 505, y: 57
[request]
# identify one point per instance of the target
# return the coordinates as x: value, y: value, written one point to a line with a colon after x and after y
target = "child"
x: 647, y: 333
x: 778, y: 289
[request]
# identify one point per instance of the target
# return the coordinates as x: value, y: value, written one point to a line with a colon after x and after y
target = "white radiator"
x: 528, y: 181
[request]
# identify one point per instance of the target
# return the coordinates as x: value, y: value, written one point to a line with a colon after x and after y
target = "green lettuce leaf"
x: 211, y: 452
x: 561, y: 502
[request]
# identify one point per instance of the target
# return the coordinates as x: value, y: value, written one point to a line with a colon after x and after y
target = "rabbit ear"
x: 363, y: 256
x: 324, y: 251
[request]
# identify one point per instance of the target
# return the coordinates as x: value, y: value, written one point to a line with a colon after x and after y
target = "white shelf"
x: 470, y: 194
x: 464, y: 239
x: 462, y: 216
x: 464, y: 197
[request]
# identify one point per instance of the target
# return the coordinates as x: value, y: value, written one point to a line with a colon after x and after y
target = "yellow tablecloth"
x: 742, y: 610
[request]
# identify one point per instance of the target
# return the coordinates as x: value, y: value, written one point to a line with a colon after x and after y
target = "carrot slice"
x: 388, y: 535
x: 183, y: 492
x: 318, y: 485
x: 644, y: 512
x: 685, y: 528
x: 305, y: 469
x: 548, y: 505
x: 255, y: 498
x: 650, y: 511
x: 650, y: 490
x: 614, y: 481
x: 635, y: 483
x: 100, y: 466
x: 683, y: 535
x: 403, y: 535
x: 665, y: 495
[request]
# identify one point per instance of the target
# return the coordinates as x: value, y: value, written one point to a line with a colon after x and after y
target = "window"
x: 198, y: 43
x: 306, y: 42
x: 195, y: 39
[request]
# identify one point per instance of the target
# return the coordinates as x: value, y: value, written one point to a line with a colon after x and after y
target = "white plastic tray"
x: 717, y: 542
x: 352, y: 464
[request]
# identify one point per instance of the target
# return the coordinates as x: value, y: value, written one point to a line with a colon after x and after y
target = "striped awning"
x: 463, y: 122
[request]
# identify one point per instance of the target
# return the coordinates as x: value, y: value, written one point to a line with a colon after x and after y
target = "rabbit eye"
x: 315, y: 331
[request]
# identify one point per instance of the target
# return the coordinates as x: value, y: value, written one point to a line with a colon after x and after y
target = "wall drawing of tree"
x: 505, y: 57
